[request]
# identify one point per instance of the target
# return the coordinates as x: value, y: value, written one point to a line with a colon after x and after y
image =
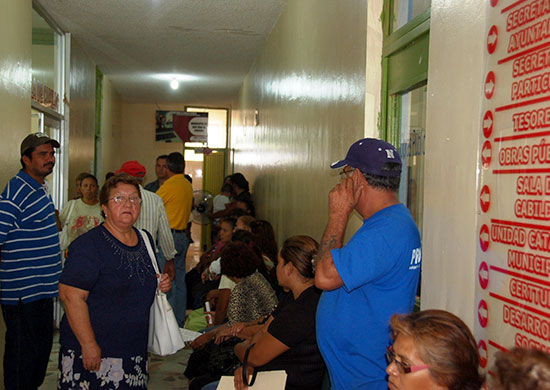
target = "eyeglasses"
x: 121, y: 199
x: 403, y: 368
x: 346, y: 174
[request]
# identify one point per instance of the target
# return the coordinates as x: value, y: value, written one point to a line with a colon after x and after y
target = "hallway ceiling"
x: 140, y: 44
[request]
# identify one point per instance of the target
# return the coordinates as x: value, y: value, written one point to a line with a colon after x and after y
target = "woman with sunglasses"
x: 432, y: 350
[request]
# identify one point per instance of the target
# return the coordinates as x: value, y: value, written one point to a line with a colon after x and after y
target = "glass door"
x: 408, y: 130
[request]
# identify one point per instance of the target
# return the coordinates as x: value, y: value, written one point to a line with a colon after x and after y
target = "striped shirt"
x: 31, y: 261
x: 153, y: 218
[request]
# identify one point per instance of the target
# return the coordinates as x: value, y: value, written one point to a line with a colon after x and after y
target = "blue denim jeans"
x: 211, y: 386
x: 177, y: 296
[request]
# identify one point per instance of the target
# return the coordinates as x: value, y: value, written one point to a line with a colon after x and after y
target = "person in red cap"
x: 153, y: 218
x: 30, y: 266
x: 374, y: 275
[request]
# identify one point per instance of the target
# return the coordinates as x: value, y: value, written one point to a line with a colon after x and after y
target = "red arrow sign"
x: 483, y: 275
x: 483, y: 313
x: 490, y: 85
x: 488, y: 124
x: 485, y: 198
x: 482, y: 350
x: 492, y: 39
x: 484, y: 238
x: 486, y: 154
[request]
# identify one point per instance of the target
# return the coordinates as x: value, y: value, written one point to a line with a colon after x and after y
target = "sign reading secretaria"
x: 513, y: 220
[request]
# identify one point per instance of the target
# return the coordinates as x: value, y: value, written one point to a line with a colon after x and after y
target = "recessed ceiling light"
x: 174, y: 84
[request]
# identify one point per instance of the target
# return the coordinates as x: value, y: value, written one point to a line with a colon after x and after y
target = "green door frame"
x: 405, y: 54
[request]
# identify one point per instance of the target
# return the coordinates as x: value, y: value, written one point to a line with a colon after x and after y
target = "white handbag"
x: 64, y: 239
x: 164, y: 332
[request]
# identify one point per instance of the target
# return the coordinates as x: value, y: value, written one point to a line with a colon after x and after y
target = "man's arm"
x: 326, y: 274
x: 166, y: 241
x: 341, y: 204
x: 9, y: 212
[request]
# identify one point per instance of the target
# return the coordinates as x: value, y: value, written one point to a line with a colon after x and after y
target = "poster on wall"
x: 181, y: 126
x: 513, y: 249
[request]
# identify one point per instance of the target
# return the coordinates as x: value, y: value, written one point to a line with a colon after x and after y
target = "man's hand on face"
x: 344, y: 196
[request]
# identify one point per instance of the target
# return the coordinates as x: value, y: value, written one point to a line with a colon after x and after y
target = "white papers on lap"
x: 189, y: 335
x: 265, y: 380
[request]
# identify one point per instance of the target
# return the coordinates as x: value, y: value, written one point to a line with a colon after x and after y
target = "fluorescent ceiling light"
x: 174, y: 76
x: 174, y: 84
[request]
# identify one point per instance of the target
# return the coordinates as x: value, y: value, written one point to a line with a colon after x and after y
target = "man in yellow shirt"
x: 177, y: 195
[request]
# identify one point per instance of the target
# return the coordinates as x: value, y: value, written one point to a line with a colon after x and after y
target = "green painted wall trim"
x: 405, y: 58
x: 43, y: 36
x: 409, y: 66
x: 398, y: 41
x: 98, y: 107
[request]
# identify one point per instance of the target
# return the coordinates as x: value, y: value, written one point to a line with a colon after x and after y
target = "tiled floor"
x: 165, y: 373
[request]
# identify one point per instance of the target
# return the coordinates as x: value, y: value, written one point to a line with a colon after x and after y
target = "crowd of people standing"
x: 329, y: 312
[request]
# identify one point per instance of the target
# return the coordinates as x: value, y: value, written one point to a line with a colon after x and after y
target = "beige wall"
x: 82, y: 115
x: 136, y: 140
x: 309, y: 87
x: 15, y: 82
x: 452, y: 128
x: 111, y: 126
x: 15, y: 95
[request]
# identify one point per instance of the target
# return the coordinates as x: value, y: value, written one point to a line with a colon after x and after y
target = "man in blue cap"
x: 374, y: 275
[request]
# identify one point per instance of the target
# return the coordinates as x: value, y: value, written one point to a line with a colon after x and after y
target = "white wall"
x: 457, y: 38
x: 309, y: 86
x: 15, y: 96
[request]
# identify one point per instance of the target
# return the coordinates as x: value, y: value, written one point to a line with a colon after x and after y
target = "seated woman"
x: 433, y: 350
x: 219, y: 298
x: 265, y: 237
x: 251, y: 298
x: 522, y: 368
x: 287, y: 340
x: 198, y: 280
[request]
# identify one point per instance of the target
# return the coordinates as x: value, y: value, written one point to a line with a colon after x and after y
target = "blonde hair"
x: 246, y: 220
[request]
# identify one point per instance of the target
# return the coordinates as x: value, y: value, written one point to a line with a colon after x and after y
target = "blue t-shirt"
x: 380, y: 267
x: 121, y: 282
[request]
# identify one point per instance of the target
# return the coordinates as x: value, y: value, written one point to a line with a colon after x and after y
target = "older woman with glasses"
x: 107, y: 286
x: 433, y: 350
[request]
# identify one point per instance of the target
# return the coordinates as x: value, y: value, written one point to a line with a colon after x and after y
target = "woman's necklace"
x: 135, y: 263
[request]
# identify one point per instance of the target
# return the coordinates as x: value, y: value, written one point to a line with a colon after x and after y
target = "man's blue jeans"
x: 177, y: 296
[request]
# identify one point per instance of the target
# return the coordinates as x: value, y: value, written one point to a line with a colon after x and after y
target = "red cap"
x: 132, y: 168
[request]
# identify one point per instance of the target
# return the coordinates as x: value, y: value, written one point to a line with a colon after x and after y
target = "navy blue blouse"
x: 121, y: 282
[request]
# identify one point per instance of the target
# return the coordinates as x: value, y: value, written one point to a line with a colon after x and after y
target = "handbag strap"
x: 150, y: 250
x: 245, y: 364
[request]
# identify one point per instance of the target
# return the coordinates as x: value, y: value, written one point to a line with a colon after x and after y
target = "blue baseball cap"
x: 371, y: 155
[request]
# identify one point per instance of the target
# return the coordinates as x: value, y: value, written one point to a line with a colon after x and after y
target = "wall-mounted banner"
x: 513, y: 218
x: 181, y: 126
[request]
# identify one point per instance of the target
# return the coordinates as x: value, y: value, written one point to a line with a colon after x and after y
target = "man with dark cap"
x: 30, y: 265
x: 374, y: 275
